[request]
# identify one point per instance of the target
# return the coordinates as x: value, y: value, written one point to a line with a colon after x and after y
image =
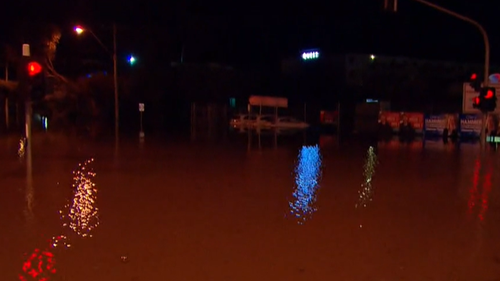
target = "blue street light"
x: 131, y: 60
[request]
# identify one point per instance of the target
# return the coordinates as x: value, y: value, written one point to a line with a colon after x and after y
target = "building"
x: 408, y: 83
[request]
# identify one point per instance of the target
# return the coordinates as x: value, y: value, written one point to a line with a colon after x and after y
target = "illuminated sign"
x: 495, y: 78
x: 310, y: 55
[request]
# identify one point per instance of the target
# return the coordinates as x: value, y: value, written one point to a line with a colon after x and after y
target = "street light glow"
x: 131, y: 60
x: 79, y: 30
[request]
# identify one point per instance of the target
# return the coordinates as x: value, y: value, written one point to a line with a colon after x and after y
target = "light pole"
x: 79, y: 30
x: 486, y: 52
x: 486, y: 47
x: 7, y: 123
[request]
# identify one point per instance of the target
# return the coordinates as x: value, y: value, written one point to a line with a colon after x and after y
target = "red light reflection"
x: 484, y: 195
x: 475, y: 183
x: 39, y: 266
x: 474, y: 193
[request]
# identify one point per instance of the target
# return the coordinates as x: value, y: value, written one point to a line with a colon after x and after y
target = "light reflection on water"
x: 80, y: 215
x: 481, y: 187
x: 307, y: 175
x: 40, y: 266
x: 366, y: 192
x: 210, y: 214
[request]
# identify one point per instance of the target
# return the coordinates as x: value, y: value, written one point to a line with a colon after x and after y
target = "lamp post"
x: 486, y: 41
x: 80, y: 30
x: 7, y: 123
x: 486, y: 53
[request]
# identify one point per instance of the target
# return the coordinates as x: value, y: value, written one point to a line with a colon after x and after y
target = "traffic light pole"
x: 486, y: 54
x: 28, y: 142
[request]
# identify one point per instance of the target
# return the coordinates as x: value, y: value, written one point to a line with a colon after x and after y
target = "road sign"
x: 141, y: 107
x: 26, y: 50
x: 469, y: 94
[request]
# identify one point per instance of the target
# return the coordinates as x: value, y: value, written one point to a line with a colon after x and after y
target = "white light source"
x: 131, y: 60
x: 310, y: 55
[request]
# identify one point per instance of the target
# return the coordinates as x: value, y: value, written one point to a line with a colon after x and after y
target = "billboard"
x: 394, y: 120
x: 414, y: 119
x: 440, y: 125
x: 389, y: 119
x: 470, y: 125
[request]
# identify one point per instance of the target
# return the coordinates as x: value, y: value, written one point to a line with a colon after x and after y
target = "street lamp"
x: 131, y: 60
x: 80, y: 30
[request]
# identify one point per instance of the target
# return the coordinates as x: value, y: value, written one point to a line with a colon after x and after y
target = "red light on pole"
x: 34, y: 68
x: 473, y: 76
x: 476, y: 102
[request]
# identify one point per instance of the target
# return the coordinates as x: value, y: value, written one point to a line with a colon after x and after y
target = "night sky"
x: 259, y: 33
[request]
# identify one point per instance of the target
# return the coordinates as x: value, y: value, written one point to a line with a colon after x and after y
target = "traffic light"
x: 34, y: 68
x: 476, y: 102
x: 488, y: 99
x: 474, y: 82
x: 34, y: 78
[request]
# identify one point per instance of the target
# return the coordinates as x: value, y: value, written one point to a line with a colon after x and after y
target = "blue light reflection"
x: 307, y: 175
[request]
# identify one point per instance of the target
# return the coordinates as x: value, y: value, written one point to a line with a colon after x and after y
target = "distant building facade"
x: 409, y: 84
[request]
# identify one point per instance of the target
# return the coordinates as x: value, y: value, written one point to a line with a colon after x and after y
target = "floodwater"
x: 227, y: 210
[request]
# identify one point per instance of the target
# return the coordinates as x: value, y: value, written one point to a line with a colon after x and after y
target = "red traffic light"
x: 476, y: 100
x: 489, y: 94
x: 473, y: 76
x: 34, y: 68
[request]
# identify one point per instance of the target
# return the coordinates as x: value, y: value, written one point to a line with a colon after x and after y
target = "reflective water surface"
x: 226, y: 210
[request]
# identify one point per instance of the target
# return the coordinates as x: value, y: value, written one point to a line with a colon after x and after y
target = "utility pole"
x: 28, y: 143
x: 486, y: 48
x: 115, y: 80
x: 486, y: 55
x: 7, y: 122
x: 80, y: 30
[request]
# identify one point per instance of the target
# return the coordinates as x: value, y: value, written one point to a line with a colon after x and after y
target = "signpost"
x: 141, y: 111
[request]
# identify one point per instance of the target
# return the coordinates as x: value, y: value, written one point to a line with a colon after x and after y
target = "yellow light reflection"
x: 82, y: 213
x: 21, y: 150
x: 366, y: 192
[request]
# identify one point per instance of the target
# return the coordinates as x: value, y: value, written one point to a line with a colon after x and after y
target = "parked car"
x: 289, y: 123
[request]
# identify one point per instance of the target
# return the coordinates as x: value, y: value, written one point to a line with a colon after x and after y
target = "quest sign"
x: 310, y: 54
